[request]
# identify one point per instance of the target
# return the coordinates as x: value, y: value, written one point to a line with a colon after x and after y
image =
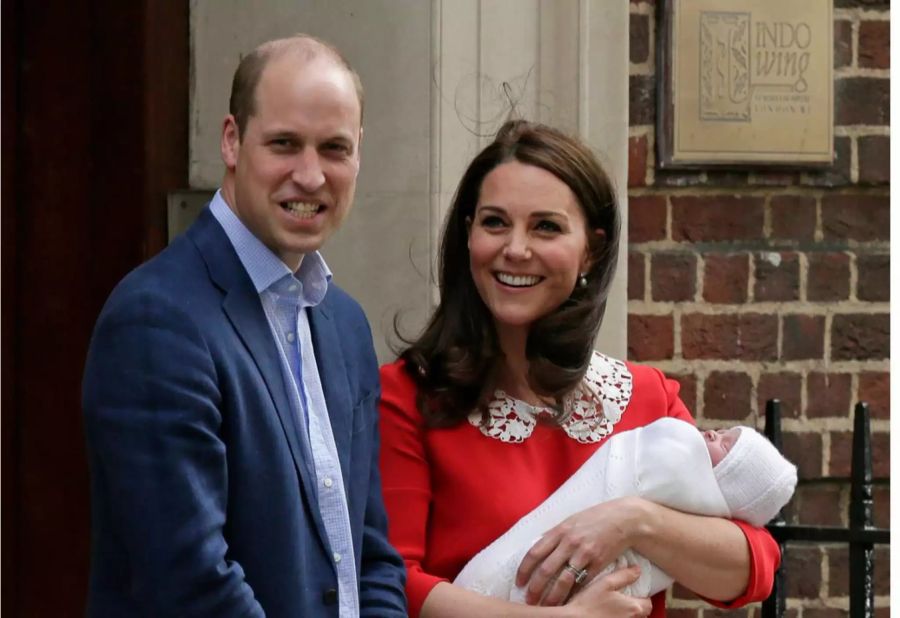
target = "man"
x: 231, y: 390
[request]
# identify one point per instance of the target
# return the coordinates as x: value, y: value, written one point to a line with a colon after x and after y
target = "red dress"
x: 450, y: 492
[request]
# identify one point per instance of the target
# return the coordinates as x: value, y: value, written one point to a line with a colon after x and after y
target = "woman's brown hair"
x: 454, y: 359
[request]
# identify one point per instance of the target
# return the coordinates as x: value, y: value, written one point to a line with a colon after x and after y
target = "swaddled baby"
x: 735, y: 473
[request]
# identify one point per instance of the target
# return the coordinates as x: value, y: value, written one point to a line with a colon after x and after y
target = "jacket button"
x: 329, y: 597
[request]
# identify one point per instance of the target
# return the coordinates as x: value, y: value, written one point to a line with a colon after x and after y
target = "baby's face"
x: 719, y: 442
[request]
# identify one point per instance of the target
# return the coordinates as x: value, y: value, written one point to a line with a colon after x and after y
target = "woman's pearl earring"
x: 582, y: 280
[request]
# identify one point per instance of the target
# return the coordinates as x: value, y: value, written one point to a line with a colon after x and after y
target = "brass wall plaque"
x: 746, y: 82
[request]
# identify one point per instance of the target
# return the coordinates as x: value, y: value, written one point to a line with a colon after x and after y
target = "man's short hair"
x: 242, y: 104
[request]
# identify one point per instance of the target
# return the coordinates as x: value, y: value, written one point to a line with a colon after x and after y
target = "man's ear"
x: 231, y: 142
x: 359, y: 150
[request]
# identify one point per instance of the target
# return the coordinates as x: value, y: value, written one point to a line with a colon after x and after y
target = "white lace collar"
x: 592, y: 409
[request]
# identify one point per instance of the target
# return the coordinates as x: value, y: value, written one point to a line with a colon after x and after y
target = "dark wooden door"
x: 95, y: 109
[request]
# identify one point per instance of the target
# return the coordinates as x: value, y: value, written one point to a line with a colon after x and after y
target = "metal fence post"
x: 862, y: 588
x: 774, y: 606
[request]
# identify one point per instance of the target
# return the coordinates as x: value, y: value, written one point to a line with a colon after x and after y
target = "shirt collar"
x: 266, y: 269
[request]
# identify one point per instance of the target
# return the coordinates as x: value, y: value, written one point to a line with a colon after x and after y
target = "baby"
x: 734, y: 473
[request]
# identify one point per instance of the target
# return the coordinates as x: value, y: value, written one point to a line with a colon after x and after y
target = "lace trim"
x: 593, y: 409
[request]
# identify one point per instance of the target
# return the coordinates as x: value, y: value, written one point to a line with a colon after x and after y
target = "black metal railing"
x: 861, y: 535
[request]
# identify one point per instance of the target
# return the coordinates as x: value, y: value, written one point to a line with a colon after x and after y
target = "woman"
x: 502, y: 398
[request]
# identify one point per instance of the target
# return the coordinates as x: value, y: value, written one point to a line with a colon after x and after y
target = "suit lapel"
x: 244, y: 309
x: 333, y: 375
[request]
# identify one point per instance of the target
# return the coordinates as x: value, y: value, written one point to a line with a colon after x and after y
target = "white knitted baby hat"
x: 756, y: 480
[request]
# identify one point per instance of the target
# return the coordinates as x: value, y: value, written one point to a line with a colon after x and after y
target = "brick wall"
x: 751, y: 285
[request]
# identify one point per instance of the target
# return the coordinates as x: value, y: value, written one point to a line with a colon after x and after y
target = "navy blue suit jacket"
x: 202, y: 500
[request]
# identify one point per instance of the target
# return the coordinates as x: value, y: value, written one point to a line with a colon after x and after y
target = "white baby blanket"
x: 666, y: 461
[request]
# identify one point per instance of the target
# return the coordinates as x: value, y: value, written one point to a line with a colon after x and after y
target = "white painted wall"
x: 433, y: 72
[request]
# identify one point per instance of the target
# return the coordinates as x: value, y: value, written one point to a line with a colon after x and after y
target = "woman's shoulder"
x: 393, y: 370
x: 395, y: 378
x: 398, y: 390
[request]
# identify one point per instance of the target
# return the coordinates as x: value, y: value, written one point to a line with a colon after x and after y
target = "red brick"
x: 724, y: 613
x: 726, y: 395
x: 725, y: 278
x: 650, y: 337
x: 786, y: 387
x: 805, y: 451
x: 803, y: 337
x: 673, y: 276
x: 839, y: 567
x: 873, y: 282
x: 839, y: 563
x: 688, y: 390
x: 862, y: 100
x: 646, y: 218
x: 720, y: 217
x: 881, y: 572
x: 860, y: 336
x: 636, y: 265
x: 637, y: 162
x: 874, y: 159
x: 682, y: 612
x: 843, y: 43
x: 874, y: 50
x: 881, y: 503
x: 842, y: 448
x: 856, y: 217
x: 639, y: 38
x: 777, y: 276
x: 750, y: 336
x: 820, y: 505
x: 803, y: 565
x: 828, y: 277
x: 680, y: 592
x: 641, y: 100
x: 838, y: 174
x: 824, y: 612
x: 828, y: 394
x: 793, y: 217
x: 875, y: 390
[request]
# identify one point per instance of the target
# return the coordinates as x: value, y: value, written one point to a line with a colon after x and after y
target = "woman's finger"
x: 567, y: 582
x: 619, y: 579
x: 535, y: 556
x: 548, y: 574
x: 604, y: 597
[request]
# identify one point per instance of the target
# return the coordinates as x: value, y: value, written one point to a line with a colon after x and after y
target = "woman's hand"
x: 586, y: 541
x: 602, y: 596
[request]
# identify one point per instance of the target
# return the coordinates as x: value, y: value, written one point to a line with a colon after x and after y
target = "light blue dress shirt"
x: 284, y: 296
